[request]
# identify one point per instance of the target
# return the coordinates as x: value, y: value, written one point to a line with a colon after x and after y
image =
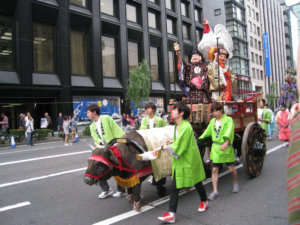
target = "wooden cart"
x: 249, y: 138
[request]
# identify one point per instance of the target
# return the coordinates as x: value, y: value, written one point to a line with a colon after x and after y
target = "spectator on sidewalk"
x: 49, y: 123
x: 22, y: 122
x: 26, y: 117
x: 29, y: 129
x: 74, y: 128
x: 5, y: 125
x: 66, y: 125
x: 60, y: 121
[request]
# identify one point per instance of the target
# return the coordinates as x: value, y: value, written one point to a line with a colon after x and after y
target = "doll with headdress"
x: 195, y: 77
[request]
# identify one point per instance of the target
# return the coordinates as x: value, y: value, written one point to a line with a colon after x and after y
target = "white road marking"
x: 41, y: 177
x: 29, y: 150
x: 160, y: 201
x: 14, y: 206
x: 45, y: 157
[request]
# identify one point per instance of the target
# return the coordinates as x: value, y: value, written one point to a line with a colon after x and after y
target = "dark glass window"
x: 184, y: 9
x: 79, y: 2
x: 79, y: 52
x: 107, y: 7
x: 217, y: 12
x: 186, y: 31
x: 198, y: 36
x: 171, y: 66
x: 198, y: 15
x: 152, y: 20
x: 43, y: 48
x: 6, y: 44
x: 133, y: 55
x: 108, y: 57
x: 260, y: 60
x: 131, y: 13
x: 170, y: 4
x: 154, y: 64
x: 170, y: 26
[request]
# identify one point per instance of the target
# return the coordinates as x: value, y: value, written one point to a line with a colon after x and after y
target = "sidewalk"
x: 49, y: 138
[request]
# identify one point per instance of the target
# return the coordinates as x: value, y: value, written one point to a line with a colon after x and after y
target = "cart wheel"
x: 253, y: 149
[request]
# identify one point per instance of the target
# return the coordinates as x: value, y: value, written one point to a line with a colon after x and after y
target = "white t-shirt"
x: 98, y: 127
x: 29, y: 125
x: 151, y: 123
x: 218, y: 122
x: 260, y: 113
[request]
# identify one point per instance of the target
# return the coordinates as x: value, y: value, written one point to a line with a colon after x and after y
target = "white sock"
x: 172, y: 214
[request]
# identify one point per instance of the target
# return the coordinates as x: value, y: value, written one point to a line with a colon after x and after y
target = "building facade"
x: 55, y: 51
x: 232, y: 14
x: 273, y: 25
x: 296, y: 9
x: 291, y: 34
x: 255, y: 45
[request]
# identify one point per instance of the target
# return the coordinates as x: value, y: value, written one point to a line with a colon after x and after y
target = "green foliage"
x: 41, y: 134
x: 61, y: 134
x: 138, y: 84
x: 19, y: 134
x: 86, y: 131
x: 288, y: 93
x: 271, y: 97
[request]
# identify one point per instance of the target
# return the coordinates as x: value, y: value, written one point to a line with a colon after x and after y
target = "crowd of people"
x: 65, y: 125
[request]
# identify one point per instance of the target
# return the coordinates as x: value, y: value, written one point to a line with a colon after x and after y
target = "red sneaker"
x: 203, y: 206
x: 167, y: 218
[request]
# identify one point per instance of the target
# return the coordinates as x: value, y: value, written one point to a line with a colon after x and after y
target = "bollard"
x: 76, y: 138
x: 12, y: 142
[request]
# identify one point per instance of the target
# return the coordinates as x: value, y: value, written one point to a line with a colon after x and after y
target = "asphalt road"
x: 44, y: 184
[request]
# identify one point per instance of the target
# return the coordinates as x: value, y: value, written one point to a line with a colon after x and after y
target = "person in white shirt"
x: 29, y: 129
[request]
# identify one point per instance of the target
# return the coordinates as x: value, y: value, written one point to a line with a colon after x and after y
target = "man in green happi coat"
x: 151, y: 120
x: 104, y: 128
x: 264, y: 116
x: 187, y: 166
x: 221, y: 130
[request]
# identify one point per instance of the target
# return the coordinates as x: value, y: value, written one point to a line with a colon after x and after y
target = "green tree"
x: 138, y: 84
x: 271, y: 97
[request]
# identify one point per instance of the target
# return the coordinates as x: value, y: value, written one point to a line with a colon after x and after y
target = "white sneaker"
x: 66, y: 144
x: 119, y: 194
x: 105, y: 194
x: 236, y: 188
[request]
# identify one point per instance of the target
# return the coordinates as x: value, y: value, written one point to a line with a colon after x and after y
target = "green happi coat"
x: 158, y: 122
x: 225, y: 133
x: 186, y: 160
x: 266, y: 116
x: 110, y: 130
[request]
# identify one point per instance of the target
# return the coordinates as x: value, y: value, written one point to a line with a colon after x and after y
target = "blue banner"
x: 108, y: 106
x: 267, y: 54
